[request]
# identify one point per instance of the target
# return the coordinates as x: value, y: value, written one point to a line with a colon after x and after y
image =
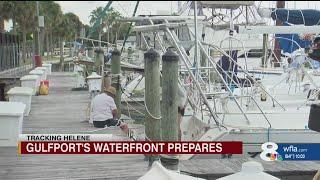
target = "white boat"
x: 268, y: 105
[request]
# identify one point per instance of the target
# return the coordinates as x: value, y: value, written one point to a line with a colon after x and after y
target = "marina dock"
x: 47, y: 116
x: 63, y: 111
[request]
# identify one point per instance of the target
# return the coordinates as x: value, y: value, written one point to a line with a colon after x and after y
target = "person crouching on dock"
x: 104, y: 110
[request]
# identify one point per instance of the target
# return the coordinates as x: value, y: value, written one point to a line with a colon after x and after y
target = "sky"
x: 83, y: 8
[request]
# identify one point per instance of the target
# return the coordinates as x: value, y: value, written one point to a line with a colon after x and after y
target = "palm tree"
x: 51, y: 12
x: 24, y: 14
x: 108, y: 20
x: 6, y: 12
x: 66, y: 29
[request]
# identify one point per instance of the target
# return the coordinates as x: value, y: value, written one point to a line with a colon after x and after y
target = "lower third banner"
x: 103, y: 147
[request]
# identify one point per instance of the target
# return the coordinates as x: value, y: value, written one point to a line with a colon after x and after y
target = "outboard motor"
x: 314, y: 120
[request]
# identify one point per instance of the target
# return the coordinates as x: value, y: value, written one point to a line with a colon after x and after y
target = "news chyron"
x: 109, y: 144
x: 290, y: 151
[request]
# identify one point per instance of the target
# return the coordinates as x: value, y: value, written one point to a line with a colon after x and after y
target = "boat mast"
x: 196, y: 59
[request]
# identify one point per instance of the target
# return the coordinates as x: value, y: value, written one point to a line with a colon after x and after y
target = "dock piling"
x: 169, y: 105
x: 115, y: 77
x: 152, y: 98
x: 264, y: 51
x: 99, y: 61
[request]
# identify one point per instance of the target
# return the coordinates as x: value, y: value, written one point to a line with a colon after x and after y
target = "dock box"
x: 38, y: 73
x: 44, y: 69
x: 94, y: 82
x: 21, y: 94
x: 31, y: 81
x: 48, y: 66
x: 11, y: 119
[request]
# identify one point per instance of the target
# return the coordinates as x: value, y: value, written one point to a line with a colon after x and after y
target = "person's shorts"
x: 109, y: 122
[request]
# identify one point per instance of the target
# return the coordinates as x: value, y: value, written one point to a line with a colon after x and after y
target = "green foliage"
x: 115, y: 29
x: 51, y: 12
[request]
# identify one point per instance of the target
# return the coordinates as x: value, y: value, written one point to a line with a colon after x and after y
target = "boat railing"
x: 243, y: 70
x: 242, y: 45
x: 163, y: 49
x: 197, y: 80
x: 211, y: 61
x: 214, y: 66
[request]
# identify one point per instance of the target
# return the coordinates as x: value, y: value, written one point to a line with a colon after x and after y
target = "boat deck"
x: 217, y: 168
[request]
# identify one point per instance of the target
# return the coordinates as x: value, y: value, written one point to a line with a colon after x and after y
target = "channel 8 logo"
x: 269, y: 152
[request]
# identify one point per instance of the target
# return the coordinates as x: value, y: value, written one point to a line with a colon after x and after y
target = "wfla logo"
x: 269, y: 152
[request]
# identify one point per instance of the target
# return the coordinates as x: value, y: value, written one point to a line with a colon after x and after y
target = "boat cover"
x: 307, y: 17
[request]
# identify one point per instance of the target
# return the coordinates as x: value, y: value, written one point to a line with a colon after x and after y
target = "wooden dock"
x: 63, y: 111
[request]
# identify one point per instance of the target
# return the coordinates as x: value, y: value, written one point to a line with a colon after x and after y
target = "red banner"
x: 125, y: 147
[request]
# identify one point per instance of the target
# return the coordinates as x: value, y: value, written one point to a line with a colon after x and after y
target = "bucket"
x: 45, y: 82
x: 314, y: 120
x: 38, y: 60
x: 43, y: 90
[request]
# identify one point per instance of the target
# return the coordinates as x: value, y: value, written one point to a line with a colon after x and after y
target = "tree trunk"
x: 1, y: 24
x: 42, y: 37
x: 51, y: 45
x: 14, y: 26
x: 47, y: 45
x: 24, y: 43
x: 61, y: 54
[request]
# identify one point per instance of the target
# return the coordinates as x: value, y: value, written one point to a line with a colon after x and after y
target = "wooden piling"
x: 115, y: 77
x: 264, y: 51
x: 169, y: 105
x: 152, y: 98
x: 90, y: 53
x: 99, y: 61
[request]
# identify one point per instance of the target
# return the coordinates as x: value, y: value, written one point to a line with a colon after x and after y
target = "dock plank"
x: 63, y: 111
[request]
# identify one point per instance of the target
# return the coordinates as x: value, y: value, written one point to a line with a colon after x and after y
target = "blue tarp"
x: 287, y: 44
x: 308, y: 17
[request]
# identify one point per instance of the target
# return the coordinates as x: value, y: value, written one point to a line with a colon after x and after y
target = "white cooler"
x: 48, y: 66
x: 11, y: 119
x: 44, y: 69
x: 38, y: 73
x: 21, y: 94
x: 31, y: 81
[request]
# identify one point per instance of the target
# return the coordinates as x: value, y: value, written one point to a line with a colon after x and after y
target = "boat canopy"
x: 288, y: 42
x: 307, y: 17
